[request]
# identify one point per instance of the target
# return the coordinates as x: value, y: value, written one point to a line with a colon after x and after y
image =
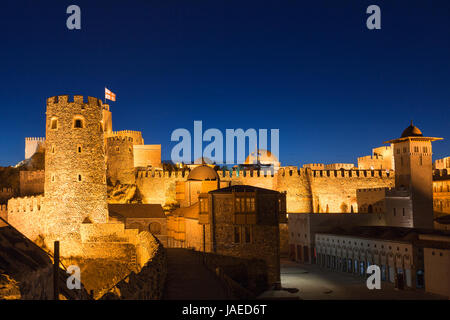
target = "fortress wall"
x: 27, y: 216
x: 371, y: 200
x: 296, y: 184
x: 336, y: 190
x: 261, y: 179
x: 31, y: 182
x: 159, y: 186
x: 135, y: 135
x: 306, y: 190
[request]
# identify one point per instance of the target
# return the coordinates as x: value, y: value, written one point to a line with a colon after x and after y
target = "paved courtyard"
x: 316, y: 283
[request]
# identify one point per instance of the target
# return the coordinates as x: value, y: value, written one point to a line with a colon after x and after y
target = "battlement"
x: 126, y: 132
x: 136, y: 135
x: 74, y: 99
x: 38, y: 139
x: 441, y: 174
x: 341, y: 173
x: 6, y: 191
x: 119, y: 139
x: 161, y: 174
x: 25, y: 204
x: 374, y: 189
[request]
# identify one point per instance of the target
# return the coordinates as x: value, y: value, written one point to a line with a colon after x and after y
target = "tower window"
x: 53, y: 178
x: 117, y: 149
x: 416, y: 149
x: 78, y: 123
x: 425, y: 150
x: 53, y: 149
x: 54, y: 123
x: 79, y: 177
x: 79, y: 149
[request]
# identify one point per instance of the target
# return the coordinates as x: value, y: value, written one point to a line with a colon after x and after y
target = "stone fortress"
x: 314, y: 188
x: 87, y: 163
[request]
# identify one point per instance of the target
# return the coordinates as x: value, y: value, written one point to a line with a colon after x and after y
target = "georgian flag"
x: 109, y: 95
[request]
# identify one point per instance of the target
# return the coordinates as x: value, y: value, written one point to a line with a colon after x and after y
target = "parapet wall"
x: 75, y: 99
x: 135, y: 135
x: 148, y: 283
x: 26, y: 215
x: 441, y: 174
x: 5, y: 194
x: 307, y: 190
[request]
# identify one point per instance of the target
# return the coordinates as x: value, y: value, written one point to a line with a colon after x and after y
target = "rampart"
x: 135, y: 135
x: 26, y: 215
x: 307, y: 190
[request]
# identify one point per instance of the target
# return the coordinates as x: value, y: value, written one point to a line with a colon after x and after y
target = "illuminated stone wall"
x: 307, y: 190
x: 147, y: 155
x: 120, y: 160
x: 75, y: 175
x: 27, y: 216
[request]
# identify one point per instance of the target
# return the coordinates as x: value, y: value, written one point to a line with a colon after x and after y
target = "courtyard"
x: 317, y: 283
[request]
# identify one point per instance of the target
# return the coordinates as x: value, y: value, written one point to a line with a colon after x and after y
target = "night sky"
x: 310, y: 68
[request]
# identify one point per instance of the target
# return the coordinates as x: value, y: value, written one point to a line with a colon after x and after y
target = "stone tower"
x: 75, y: 173
x: 414, y: 173
x: 120, y: 160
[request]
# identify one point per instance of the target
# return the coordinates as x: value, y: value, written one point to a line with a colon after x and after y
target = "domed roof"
x: 262, y: 157
x: 412, y: 131
x: 202, y: 173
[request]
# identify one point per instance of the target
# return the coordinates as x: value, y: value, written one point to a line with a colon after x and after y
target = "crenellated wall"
x: 306, y: 190
x: 135, y: 135
x: 5, y: 194
x: 26, y: 215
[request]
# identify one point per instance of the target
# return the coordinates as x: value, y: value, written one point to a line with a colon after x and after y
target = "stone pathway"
x: 189, y: 279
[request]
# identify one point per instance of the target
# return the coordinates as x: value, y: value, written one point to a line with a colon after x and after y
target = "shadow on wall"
x: 26, y: 270
x: 148, y: 283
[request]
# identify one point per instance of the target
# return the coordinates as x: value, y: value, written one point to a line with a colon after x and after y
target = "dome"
x: 202, y: 173
x: 412, y: 131
x: 263, y: 157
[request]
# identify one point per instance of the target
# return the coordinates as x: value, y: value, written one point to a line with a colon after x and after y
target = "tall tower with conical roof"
x: 414, y: 174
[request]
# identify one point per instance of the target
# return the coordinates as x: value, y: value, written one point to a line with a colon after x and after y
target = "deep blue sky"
x: 309, y: 68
